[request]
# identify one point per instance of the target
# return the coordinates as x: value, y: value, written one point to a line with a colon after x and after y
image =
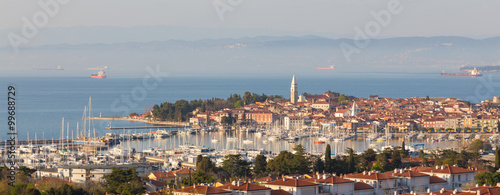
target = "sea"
x: 42, y: 103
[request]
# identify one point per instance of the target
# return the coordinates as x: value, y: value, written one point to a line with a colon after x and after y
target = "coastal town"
x: 466, y: 162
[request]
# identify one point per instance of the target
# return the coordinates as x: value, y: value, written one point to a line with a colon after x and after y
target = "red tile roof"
x: 370, y: 176
x: 434, y: 179
x: 406, y: 173
x: 445, y: 169
x: 199, y: 189
x: 268, y: 178
x: 362, y: 186
x: 279, y: 192
x: 291, y: 183
x: 244, y: 187
x: 330, y: 180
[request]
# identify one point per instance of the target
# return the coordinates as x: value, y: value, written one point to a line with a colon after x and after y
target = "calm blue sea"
x: 43, y: 102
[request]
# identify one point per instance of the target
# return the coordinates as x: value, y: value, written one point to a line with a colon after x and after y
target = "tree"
x: 350, y: 160
x: 260, y: 165
x: 405, y: 153
x: 328, y: 159
x: 205, y: 165
x: 300, y: 162
x: 235, y: 166
x: 484, y: 178
x: 133, y: 114
x: 378, y: 167
x: 421, y: 154
x: 238, y: 104
x: 476, y: 145
x: 366, y: 160
x: 396, y: 159
x: 319, y: 165
x: 124, y: 181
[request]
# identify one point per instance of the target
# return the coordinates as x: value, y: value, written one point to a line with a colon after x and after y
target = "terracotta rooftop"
x: 268, y: 178
x: 244, y: 187
x: 444, y: 169
x: 279, y: 192
x: 362, y: 186
x: 291, y: 183
x: 406, y: 173
x: 434, y: 179
x: 199, y: 189
x: 370, y: 176
x: 330, y: 180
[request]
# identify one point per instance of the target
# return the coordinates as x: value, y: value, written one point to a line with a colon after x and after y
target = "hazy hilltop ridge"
x: 269, y: 54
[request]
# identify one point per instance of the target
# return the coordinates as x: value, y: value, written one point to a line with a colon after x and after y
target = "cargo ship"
x: 473, y: 73
x: 100, y: 75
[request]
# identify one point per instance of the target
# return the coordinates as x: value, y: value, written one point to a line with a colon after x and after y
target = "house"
x: 295, y: 186
x: 238, y: 188
x: 321, y: 105
x: 155, y: 186
x: 342, y: 113
x: 333, y: 184
x: 361, y: 188
x: 83, y: 173
x: 201, y: 189
x: 279, y: 192
x: 381, y: 182
x: 454, y: 176
x: 409, y: 180
x: 293, y: 122
x: 436, y: 183
x: 172, y: 176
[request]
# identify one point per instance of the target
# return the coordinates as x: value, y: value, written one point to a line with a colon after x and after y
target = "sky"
x: 77, y: 22
x: 418, y: 17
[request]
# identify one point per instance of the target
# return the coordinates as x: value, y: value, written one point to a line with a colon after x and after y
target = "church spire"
x: 293, y: 91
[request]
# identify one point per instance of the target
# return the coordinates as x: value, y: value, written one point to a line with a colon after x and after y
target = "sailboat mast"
x: 62, y: 132
x: 90, y: 108
x: 84, y: 121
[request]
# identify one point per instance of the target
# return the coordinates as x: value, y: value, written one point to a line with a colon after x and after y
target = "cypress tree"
x: 328, y: 159
x: 497, y: 158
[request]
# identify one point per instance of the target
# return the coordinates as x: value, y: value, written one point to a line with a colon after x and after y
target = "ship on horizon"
x: 473, y: 73
x: 99, y: 75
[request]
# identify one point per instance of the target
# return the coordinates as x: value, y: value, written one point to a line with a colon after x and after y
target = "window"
x: 459, y: 179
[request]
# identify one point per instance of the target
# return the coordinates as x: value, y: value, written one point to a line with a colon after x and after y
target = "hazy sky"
x: 418, y: 17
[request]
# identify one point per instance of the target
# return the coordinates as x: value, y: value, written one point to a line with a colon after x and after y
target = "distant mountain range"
x: 273, y: 55
x: 481, y: 68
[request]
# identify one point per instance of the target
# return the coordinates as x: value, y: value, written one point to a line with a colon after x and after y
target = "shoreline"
x: 166, y: 123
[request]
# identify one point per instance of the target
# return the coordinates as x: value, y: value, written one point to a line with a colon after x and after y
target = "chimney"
x: 395, y: 192
x: 400, y: 170
x: 442, y: 167
x: 318, y: 176
x: 437, y: 166
x: 442, y: 190
x: 455, y: 191
x: 370, y: 173
x: 364, y: 172
x: 428, y: 190
x: 324, y: 176
x: 478, y: 192
x: 395, y: 170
